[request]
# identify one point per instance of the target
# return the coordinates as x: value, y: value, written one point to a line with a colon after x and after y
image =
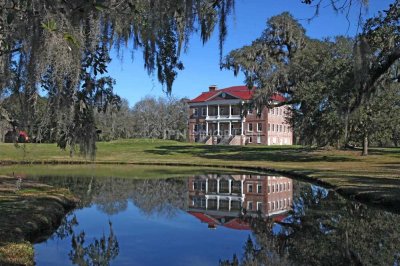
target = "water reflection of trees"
x: 111, y: 195
x: 99, y: 252
x: 322, y: 228
x: 162, y: 197
x: 326, y: 229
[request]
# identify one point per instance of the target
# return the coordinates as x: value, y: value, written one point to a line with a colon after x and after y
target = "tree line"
x: 155, y: 118
x: 151, y: 117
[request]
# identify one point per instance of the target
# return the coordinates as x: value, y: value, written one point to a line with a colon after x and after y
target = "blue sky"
x: 246, y: 24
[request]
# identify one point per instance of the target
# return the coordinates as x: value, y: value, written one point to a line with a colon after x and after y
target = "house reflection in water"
x: 219, y: 199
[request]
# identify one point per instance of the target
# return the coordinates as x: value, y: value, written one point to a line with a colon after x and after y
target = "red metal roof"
x: 278, y: 218
x: 237, y: 224
x: 204, y: 218
x: 241, y: 92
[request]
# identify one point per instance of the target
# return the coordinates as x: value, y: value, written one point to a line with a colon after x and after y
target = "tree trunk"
x: 365, y: 145
x: 346, y: 128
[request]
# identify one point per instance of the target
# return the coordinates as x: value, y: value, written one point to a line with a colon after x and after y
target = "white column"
x: 218, y: 111
x: 242, y: 127
x: 230, y: 110
x: 230, y: 128
x: 206, y: 202
x: 218, y: 186
x: 206, y: 185
x: 230, y: 203
x: 242, y: 188
x: 207, y: 110
x: 217, y: 202
x: 230, y: 186
x: 218, y: 127
x: 207, y: 126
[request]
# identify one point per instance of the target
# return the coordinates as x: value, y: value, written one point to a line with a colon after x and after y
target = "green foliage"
x: 64, y: 46
x: 329, y: 83
x: 323, y: 229
x: 265, y: 62
x: 50, y: 25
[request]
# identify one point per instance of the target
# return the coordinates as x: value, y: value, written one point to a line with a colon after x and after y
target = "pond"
x: 216, y: 219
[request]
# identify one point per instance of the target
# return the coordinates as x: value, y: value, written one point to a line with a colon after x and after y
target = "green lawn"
x: 374, y: 178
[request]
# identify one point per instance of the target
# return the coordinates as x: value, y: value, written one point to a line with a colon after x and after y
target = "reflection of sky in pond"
x: 149, y: 240
x: 167, y: 221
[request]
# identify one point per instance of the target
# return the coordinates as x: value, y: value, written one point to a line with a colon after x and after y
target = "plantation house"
x: 218, y: 200
x: 219, y: 117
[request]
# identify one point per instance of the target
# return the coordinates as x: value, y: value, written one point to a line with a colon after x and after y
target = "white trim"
x: 278, y: 211
x: 216, y: 118
x: 219, y: 93
x: 222, y: 102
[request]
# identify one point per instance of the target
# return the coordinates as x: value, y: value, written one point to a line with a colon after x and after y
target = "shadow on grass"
x: 393, y: 166
x: 385, y: 151
x: 380, y: 191
x: 248, y: 153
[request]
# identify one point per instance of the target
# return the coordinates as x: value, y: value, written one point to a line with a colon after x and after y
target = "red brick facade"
x: 219, y: 199
x: 219, y: 116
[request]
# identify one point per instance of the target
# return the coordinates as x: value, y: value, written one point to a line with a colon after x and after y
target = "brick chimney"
x: 212, y: 87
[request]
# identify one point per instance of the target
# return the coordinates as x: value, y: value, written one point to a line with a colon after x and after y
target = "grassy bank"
x: 375, y: 178
x: 28, y: 213
x: 108, y: 170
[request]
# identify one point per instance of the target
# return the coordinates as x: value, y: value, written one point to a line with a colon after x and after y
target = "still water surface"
x: 217, y: 219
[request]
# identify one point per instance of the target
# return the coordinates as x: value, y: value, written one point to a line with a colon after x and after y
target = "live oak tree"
x: 63, y: 47
x: 326, y: 81
x: 378, y: 121
x: 305, y: 70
